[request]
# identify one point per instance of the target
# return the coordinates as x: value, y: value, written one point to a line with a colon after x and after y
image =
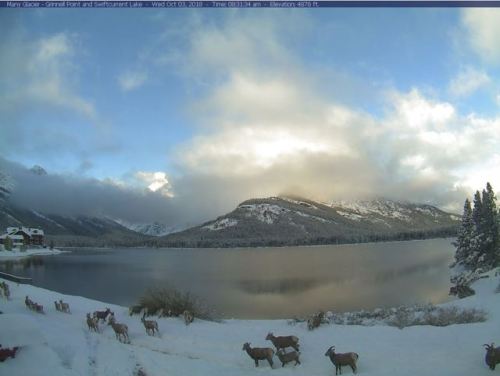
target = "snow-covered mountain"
x: 6, y: 186
x: 292, y: 220
x: 65, y: 230
x: 151, y: 229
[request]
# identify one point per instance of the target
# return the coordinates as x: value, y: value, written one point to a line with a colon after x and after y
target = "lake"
x: 255, y: 282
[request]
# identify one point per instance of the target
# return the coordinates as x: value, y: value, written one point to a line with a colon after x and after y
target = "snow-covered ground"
x: 56, y: 344
x: 16, y: 253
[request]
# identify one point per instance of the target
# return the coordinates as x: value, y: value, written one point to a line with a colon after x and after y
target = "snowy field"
x: 56, y: 343
x: 17, y: 254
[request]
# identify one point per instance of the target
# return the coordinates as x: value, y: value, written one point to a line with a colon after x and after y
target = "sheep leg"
x: 297, y: 361
x: 256, y: 362
x: 353, y: 367
x: 270, y: 360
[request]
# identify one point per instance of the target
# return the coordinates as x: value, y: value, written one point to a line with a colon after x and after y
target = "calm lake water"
x: 256, y: 283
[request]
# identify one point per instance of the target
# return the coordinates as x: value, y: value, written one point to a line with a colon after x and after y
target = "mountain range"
x: 294, y: 221
x: 284, y: 220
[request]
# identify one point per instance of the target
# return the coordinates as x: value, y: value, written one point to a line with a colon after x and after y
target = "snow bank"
x: 60, y: 344
x: 16, y: 254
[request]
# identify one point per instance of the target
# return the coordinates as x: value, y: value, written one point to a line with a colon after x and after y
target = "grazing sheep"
x: 339, y: 360
x: 101, y: 315
x: 150, y: 325
x: 259, y: 353
x: 93, y: 323
x: 188, y: 317
x: 58, y: 306
x: 6, y: 353
x: 121, y: 330
x: 64, y: 307
x: 492, y: 357
x: 283, y: 342
x: 288, y: 357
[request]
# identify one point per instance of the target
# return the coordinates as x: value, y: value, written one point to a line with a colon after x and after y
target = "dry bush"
x: 171, y: 302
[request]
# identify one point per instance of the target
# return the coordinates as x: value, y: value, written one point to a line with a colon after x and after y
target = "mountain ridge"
x: 291, y: 220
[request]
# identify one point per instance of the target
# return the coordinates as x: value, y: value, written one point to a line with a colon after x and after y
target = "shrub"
x: 170, y: 301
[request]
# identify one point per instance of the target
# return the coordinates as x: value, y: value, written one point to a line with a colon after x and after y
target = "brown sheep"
x: 93, y: 323
x: 315, y: 320
x: 339, y: 360
x: 150, y: 325
x: 121, y: 330
x: 492, y: 357
x: 6, y: 353
x: 288, y: 357
x: 283, y: 342
x: 259, y: 353
x: 188, y: 317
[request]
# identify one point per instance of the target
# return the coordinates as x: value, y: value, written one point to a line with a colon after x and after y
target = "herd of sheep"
x: 281, y: 343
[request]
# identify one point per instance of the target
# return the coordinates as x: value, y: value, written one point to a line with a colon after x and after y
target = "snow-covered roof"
x: 28, y: 230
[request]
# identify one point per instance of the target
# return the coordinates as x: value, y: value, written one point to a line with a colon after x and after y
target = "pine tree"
x: 490, y: 226
x: 465, y: 233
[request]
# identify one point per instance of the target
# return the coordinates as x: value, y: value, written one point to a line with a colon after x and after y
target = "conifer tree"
x: 465, y: 233
x: 489, y: 224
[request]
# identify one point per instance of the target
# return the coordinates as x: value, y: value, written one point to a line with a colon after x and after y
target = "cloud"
x: 42, y: 72
x: 156, y: 181
x: 71, y: 195
x: 129, y: 81
x: 483, y: 28
x: 468, y: 81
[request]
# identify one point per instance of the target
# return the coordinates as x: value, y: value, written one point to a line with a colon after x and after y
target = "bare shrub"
x: 171, y: 302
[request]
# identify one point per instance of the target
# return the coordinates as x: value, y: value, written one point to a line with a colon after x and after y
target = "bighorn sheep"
x: 188, y: 317
x: 101, y: 315
x: 93, y: 323
x: 339, y: 360
x: 315, y: 320
x: 150, y: 325
x: 6, y: 353
x: 64, y: 307
x: 4, y: 287
x: 32, y: 305
x: 492, y: 357
x: 288, y: 357
x: 283, y: 342
x: 121, y: 330
x: 259, y: 353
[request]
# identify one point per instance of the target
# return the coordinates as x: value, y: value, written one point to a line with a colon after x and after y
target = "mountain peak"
x: 38, y: 170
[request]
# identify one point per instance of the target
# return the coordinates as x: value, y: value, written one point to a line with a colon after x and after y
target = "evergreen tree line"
x: 478, y: 240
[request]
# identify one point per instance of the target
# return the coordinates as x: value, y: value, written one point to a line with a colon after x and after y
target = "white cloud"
x: 468, y: 81
x: 483, y: 27
x: 155, y: 181
x: 44, y: 73
x: 132, y: 80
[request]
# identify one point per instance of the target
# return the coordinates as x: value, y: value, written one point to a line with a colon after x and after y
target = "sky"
x: 189, y: 112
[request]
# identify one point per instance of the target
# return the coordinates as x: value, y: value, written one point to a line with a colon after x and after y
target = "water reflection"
x: 256, y: 283
x: 280, y: 286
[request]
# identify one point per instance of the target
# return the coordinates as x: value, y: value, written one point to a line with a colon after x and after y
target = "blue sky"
x: 326, y: 103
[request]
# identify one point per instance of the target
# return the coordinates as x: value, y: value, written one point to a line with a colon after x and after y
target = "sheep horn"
x: 486, y: 346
